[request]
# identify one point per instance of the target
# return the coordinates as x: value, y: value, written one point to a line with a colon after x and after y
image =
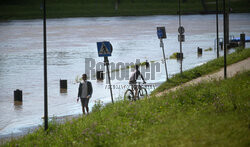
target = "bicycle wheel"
x: 129, y: 95
x: 142, y: 93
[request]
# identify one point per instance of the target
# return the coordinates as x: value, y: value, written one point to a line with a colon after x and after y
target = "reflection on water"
x: 63, y: 92
x: 72, y: 40
x: 18, y: 105
x: 199, y: 55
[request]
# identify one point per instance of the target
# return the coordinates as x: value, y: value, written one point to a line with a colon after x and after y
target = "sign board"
x: 181, y: 30
x: 161, y: 32
x: 181, y: 38
x: 104, y: 49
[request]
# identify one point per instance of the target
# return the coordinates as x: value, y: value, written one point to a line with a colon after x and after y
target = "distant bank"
x: 32, y: 9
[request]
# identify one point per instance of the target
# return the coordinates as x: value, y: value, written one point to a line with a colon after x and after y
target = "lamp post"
x: 217, y: 30
x: 45, y: 68
x: 225, y: 39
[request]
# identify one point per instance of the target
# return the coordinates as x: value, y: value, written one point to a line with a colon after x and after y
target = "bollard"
x: 199, y: 51
x: 147, y: 64
x: 221, y: 45
x: 242, y: 40
x: 99, y: 75
x: 63, y: 84
x: 18, y: 95
x: 232, y: 45
x: 63, y: 90
x: 179, y: 56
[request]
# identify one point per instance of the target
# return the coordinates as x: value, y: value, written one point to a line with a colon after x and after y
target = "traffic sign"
x: 181, y: 38
x: 161, y: 32
x: 104, y: 49
x: 181, y: 30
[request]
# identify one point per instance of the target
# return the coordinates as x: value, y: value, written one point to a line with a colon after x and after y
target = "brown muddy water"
x: 72, y: 40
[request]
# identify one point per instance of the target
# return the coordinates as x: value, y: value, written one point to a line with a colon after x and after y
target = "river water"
x: 71, y: 40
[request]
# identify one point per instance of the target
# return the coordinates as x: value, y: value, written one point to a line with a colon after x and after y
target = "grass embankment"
x: 208, y: 114
x: 31, y: 9
x: 204, y: 69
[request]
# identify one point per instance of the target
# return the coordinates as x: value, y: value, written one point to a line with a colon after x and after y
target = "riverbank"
x: 204, y: 114
x: 232, y: 70
x: 205, y: 69
x: 29, y: 9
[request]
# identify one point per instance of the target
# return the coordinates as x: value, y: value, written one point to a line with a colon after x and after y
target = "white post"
x: 164, y: 58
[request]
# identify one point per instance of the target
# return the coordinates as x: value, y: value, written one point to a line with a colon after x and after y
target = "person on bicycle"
x: 133, y: 78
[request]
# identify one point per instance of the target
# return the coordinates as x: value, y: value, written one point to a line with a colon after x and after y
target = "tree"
x: 203, y: 3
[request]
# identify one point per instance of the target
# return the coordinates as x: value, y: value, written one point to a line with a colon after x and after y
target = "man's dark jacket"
x: 89, y: 87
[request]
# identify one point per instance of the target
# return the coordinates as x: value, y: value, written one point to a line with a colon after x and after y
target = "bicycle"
x: 130, y: 93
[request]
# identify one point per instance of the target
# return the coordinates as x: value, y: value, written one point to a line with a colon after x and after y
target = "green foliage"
x: 30, y: 9
x: 208, y: 114
x: 239, y: 49
x: 98, y: 106
x: 173, y: 56
x: 208, y: 49
x: 204, y: 69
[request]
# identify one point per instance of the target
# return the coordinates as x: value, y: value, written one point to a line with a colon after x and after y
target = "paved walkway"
x: 231, y: 71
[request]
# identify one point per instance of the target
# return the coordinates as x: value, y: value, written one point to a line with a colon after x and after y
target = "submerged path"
x: 232, y: 70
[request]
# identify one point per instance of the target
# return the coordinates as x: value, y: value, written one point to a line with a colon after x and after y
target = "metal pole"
x: 180, y: 34
x: 106, y: 61
x: 228, y: 14
x: 225, y: 40
x: 217, y: 30
x: 164, y: 58
x: 45, y: 68
x: 179, y: 13
x: 180, y: 24
x: 181, y: 65
x: 180, y: 46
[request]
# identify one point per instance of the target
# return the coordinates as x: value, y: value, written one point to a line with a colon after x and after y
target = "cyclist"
x: 133, y: 78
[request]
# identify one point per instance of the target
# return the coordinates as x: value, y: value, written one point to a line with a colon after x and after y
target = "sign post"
x: 161, y: 33
x: 181, y: 36
x: 104, y: 50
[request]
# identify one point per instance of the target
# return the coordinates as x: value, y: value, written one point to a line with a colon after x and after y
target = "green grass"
x: 173, y: 56
x: 208, y: 49
x: 204, y: 69
x: 208, y: 114
x: 30, y: 9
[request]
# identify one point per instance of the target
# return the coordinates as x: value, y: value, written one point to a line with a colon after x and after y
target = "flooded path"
x: 71, y: 40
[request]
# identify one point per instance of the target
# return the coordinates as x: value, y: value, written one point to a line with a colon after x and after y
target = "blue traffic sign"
x: 161, y: 33
x: 104, y: 49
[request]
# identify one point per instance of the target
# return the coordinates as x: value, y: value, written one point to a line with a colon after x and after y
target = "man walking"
x: 84, y: 93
